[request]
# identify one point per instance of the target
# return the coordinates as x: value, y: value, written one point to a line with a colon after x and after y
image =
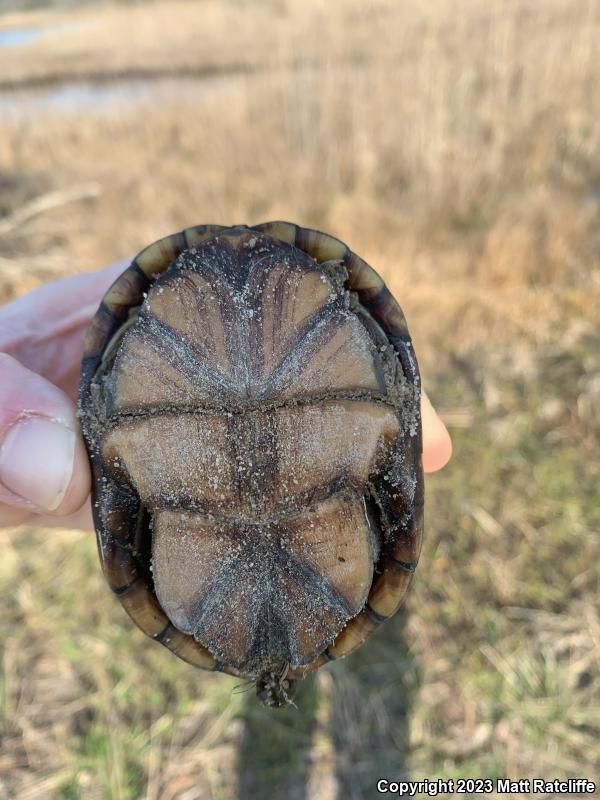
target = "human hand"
x: 44, y: 469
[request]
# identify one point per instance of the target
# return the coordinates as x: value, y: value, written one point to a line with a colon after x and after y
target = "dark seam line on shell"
x: 186, y: 277
x: 120, y: 590
x: 135, y: 267
x: 207, y: 231
x: 311, y: 580
x: 104, y: 308
x: 306, y: 342
x: 126, y: 545
x: 200, y: 230
x: 110, y: 312
x: 205, y: 605
x: 303, y: 237
x: 383, y: 519
x: 378, y: 339
x: 266, y: 635
x: 167, y: 334
x: 409, y: 366
x: 160, y: 636
x: 328, y: 655
x: 378, y: 306
x: 223, y: 298
x: 408, y: 565
x: 263, y: 227
x: 292, y: 645
x: 402, y: 336
x: 252, y: 267
x: 316, y: 495
x: 91, y: 360
x: 211, y: 255
x: 146, y: 413
x: 375, y: 615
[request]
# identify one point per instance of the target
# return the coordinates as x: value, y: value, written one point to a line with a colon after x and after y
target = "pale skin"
x: 44, y: 470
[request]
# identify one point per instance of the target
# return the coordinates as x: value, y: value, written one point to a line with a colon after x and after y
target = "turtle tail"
x: 275, y: 689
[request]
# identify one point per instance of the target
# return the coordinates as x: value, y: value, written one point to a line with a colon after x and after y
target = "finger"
x: 437, y: 445
x: 44, y: 330
x: 79, y: 520
x: 43, y: 463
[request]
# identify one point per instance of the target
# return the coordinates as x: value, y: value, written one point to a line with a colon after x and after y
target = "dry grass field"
x: 457, y: 148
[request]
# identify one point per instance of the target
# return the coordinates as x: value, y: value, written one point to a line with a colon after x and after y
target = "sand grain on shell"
x: 244, y: 407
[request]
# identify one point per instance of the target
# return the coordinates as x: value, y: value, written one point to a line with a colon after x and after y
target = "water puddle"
x: 122, y: 95
x: 13, y: 37
x: 75, y: 97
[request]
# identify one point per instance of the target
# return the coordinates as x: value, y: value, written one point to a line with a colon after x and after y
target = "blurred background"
x: 456, y: 147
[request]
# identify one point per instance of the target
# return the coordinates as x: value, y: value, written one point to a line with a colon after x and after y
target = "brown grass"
x: 459, y: 154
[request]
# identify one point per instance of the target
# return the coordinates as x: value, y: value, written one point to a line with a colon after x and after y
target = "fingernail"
x: 36, y: 461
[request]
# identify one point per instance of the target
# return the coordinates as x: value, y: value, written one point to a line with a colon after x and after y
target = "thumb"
x: 437, y: 445
x: 43, y: 463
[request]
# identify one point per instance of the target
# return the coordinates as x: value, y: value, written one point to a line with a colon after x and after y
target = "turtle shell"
x: 250, y: 404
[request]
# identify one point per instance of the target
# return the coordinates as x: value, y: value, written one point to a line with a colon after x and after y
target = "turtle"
x: 250, y: 403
